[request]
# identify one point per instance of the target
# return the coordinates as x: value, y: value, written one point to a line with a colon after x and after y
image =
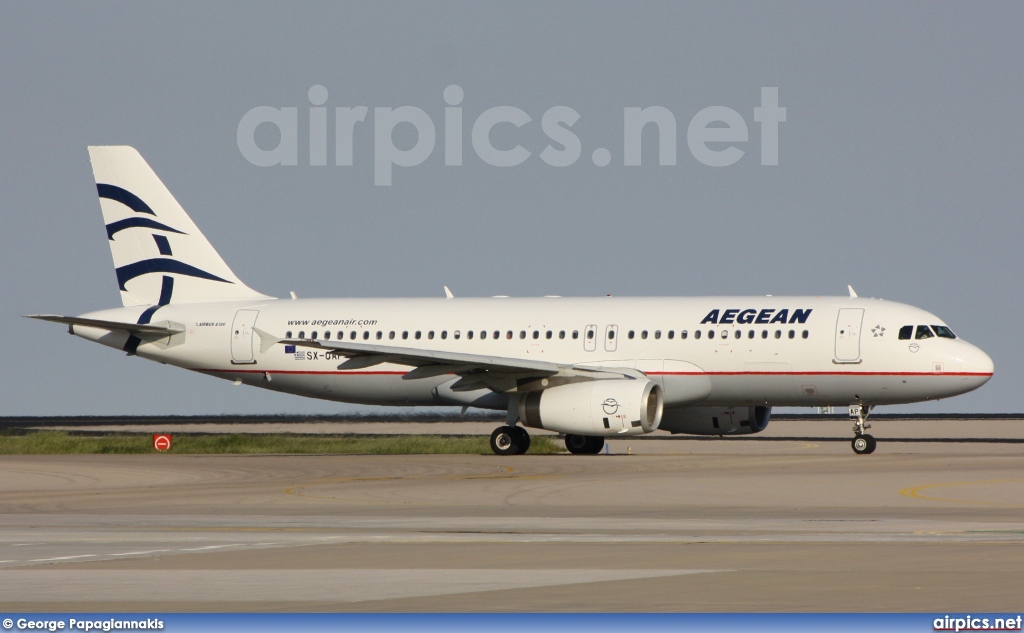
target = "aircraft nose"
x: 985, y: 364
x: 980, y: 365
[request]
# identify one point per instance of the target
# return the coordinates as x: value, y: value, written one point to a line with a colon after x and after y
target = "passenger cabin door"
x: 848, y: 335
x: 241, y: 337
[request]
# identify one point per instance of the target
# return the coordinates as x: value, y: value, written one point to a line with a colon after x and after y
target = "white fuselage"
x: 765, y: 351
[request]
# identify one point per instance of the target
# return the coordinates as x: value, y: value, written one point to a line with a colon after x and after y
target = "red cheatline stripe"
x: 652, y: 373
x: 817, y: 373
x: 282, y: 371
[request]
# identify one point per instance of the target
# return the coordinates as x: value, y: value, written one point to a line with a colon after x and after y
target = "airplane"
x: 589, y: 368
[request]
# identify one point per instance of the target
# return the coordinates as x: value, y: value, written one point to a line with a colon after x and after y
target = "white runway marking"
x: 56, y: 558
x: 344, y: 585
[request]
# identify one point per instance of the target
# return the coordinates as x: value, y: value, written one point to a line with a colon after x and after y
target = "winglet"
x: 448, y: 293
x: 853, y: 293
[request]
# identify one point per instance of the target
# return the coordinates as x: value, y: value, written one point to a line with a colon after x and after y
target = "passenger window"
x: 696, y: 334
x: 764, y: 333
x: 469, y: 334
x: 380, y: 335
x: 430, y: 334
x: 739, y: 334
x: 497, y: 335
x: 353, y: 335
x: 575, y: 334
x: 750, y: 334
x: 643, y: 334
x: 327, y: 335
x: 405, y: 335
x: 418, y: 334
x: 391, y: 335
x: 536, y: 334
x: 444, y: 334
x: 906, y: 332
x: 302, y: 334
x: 288, y: 334
x: 806, y: 334
x: 711, y: 334
x: 549, y: 334
x: 724, y: 333
x: 508, y: 335
x: 943, y: 332
x: 778, y: 333
x: 483, y: 334
x: 792, y: 334
x: 366, y: 335
x: 923, y: 332
x: 561, y: 334
x: 632, y: 334
x: 683, y: 334
x: 671, y: 334
x: 657, y: 334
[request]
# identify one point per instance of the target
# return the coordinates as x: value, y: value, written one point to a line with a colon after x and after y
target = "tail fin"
x: 160, y: 255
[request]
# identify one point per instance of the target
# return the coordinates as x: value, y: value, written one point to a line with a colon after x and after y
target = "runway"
x: 726, y: 525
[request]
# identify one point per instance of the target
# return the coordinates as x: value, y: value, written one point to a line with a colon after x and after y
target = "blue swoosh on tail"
x: 161, y: 265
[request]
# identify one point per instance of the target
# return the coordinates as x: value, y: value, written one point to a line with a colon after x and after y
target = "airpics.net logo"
x: 715, y: 135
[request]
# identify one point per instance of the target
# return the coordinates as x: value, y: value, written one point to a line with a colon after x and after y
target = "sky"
x: 899, y: 164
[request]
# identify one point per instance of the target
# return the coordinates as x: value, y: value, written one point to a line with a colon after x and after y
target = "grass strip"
x: 64, y: 443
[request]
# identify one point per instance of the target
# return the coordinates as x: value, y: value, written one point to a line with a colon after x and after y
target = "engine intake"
x: 596, y: 407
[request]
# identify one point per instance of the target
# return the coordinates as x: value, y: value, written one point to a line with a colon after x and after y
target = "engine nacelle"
x: 716, y: 420
x: 596, y: 407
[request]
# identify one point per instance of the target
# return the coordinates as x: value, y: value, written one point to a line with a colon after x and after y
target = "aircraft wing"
x: 477, y: 370
x: 132, y: 328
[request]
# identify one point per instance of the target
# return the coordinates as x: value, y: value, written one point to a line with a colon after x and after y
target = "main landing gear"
x: 863, y: 444
x: 510, y: 440
x: 584, y: 444
x: 514, y: 440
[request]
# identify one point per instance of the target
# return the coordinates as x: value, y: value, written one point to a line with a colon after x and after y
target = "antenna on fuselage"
x: 853, y: 293
x: 448, y: 293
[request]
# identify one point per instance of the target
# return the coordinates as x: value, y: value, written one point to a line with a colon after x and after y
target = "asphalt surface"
x: 791, y: 522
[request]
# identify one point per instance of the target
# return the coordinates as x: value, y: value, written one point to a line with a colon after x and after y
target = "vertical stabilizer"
x: 160, y: 255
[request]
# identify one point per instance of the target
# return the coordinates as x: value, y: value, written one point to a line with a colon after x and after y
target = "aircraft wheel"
x: 577, y: 444
x: 596, y: 444
x: 522, y: 438
x: 584, y: 444
x: 864, y: 444
x: 505, y: 441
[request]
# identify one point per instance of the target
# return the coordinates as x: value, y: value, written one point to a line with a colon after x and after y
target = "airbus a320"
x: 589, y: 368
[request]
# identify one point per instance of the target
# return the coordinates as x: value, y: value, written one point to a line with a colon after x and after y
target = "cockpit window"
x: 906, y: 332
x: 923, y: 332
x: 943, y: 332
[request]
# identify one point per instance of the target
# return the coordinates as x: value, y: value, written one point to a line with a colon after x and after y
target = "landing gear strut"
x: 510, y: 440
x: 863, y: 444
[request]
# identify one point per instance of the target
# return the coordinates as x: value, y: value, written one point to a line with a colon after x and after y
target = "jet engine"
x: 716, y: 420
x: 596, y: 407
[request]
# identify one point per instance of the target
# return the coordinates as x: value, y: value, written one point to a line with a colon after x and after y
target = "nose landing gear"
x: 863, y: 444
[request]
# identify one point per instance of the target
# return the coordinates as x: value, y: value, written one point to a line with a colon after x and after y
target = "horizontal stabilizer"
x: 132, y: 328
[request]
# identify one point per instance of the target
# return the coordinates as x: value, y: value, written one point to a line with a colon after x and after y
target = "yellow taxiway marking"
x: 915, y: 492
